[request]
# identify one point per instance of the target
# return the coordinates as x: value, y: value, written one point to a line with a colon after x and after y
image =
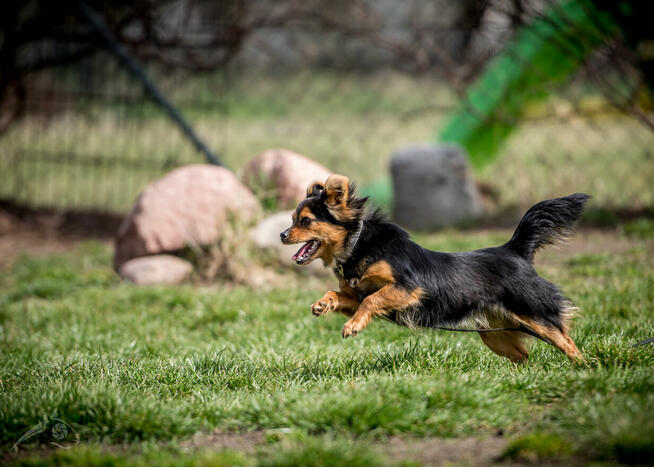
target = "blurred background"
x: 547, y: 97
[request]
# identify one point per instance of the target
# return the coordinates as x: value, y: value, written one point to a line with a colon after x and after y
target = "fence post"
x: 130, y: 63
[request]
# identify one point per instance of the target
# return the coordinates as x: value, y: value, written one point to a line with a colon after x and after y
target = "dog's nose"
x: 284, y: 235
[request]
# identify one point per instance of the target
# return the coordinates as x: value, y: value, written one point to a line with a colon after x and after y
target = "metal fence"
x: 92, y: 139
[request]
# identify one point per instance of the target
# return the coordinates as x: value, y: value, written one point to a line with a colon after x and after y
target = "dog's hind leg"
x: 509, y: 344
x: 513, y: 345
x: 558, y: 337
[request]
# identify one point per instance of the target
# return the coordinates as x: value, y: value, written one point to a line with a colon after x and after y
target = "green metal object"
x: 542, y: 55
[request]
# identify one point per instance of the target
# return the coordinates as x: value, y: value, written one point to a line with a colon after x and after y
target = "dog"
x: 381, y: 272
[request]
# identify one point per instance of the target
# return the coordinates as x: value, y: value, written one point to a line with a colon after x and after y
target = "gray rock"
x: 156, y: 269
x: 265, y: 235
x: 433, y: 187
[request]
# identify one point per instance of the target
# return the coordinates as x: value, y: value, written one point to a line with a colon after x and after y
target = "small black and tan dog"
x: 381, y: 272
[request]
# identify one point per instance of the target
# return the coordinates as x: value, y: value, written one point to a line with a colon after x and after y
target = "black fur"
x: 460, y: 285
x: 545, y: 223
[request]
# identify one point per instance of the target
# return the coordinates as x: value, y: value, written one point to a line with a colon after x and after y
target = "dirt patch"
x: 481, y: 451
x: 24, y: 230
x: 26, y: 241
x: 484, y: 451
x: 426, y: 451
x: 243, y: 442
x: 438, y: 451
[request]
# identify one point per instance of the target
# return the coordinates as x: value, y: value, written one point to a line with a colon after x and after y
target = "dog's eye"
x: 305, y: 221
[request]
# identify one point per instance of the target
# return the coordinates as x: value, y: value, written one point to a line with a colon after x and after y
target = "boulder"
x: 284, y: 174
x: 189, y: 206
x: 156, y: 269
x: 265, y: 235
x: 433, y: 187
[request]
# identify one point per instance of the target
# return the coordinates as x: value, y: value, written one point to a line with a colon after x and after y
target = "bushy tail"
x: 545, y: 223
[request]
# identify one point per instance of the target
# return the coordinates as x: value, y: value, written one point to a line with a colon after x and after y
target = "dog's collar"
x: 351, y: 245
x: 354, y: 239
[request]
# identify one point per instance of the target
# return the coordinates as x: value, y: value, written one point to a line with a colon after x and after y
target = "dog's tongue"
x: 302, y: 250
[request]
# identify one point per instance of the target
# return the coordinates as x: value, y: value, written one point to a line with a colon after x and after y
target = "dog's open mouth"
x: 305, y: 253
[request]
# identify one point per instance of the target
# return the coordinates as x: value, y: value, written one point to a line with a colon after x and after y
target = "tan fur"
x: 306, y: 212
x: 507, y: 344
x: 375, y: 277
x: 510, y: 344
x: 558, y: 337
x: 515, y: 345
x: 380, y: 270
x: 388, y: 298
x: 345, y: 301
x: 337, y: 189
x: 331, y: 237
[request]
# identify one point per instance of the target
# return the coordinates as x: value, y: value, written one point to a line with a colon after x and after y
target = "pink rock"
x: 284, y: 172
x: 189, y: 206
x: 156, y: 269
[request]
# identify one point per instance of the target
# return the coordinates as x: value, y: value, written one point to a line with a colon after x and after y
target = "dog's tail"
x: 546, y: 223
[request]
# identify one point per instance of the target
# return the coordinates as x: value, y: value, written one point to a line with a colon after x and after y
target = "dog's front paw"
x: 351, y: 328
x: 319, y: 308
x: 325, y: 304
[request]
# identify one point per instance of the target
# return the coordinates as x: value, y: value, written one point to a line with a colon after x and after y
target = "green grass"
x: 535, y: 447
x: 137, y: 371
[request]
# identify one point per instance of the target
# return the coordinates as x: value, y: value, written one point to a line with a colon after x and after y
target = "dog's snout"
x: 284, y: 235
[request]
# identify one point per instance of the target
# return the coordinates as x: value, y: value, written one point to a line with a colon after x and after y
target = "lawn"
x: 227, y: 375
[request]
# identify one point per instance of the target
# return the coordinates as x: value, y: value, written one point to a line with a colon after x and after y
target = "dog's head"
x: 325, y: 220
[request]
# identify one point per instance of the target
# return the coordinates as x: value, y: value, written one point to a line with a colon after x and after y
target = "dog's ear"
x: 337, y: 190
x: 315, y: 188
